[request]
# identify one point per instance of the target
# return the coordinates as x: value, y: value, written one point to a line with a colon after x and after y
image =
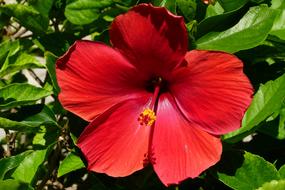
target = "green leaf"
x: 230, y: 5
x: 2, y: 83
x: 44, y: 117
x: 50, y: 64
x: 56, y: 42
x: 19, y: 94
x: 45, y: 137
x: 247, y: 171
x: 278, y: 28
x: 249, y: 32
x: 42, y: 6
x: 71, y: 163
x: 273, y: 185
x: 11, y: 184
x: 169, y: 4
x: 187, y: 8
x: 4, y: 19
x: 39, y: 138
x: 18, y: 62
x: 7, y: 164
x: 28, y: 167
x: 213, y: 10
x: 73, y: 138
x: 277, y: 4
x: 274, y: 125
x: 266, y: 101
x: 15, y: 125
x: 232, y: 12
x: 31, y: 123
x: 84, y: 11
x: 27, y: 16
x: 219, y: 22
x: 8, y: 48
x: 282, y: 172
x: 281, y: 126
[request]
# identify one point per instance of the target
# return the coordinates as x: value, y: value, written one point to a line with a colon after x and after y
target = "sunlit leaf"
x: 11, y: 184
x: 46, y: 136
x: 19, y: 62
x: 7, y: 164
x: 50, y: 64
x: 20, y: 94
x: 278, y: 28
x: 249, y: 32
x: 71, y: 163
x: 246, y: 171
x: 273, y: 185
x: 84, y: 11
x: 28, y: 167
x: 213, y: 10
x: 15, y: 125
x: 266, y: 101
x: 8, y: 48
x: 282, y: 172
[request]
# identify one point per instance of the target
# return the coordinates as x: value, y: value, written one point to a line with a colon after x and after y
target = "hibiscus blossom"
x: 150, y: 101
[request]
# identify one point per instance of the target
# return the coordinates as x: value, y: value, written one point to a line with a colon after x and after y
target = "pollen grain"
x: 147, y: 117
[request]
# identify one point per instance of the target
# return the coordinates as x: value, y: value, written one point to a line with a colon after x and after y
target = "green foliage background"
x: 38, y: 143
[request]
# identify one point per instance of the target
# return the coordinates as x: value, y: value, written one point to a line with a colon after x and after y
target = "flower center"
x: 148, y: 116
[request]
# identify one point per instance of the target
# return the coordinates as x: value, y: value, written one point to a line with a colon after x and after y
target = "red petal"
x: 212, y: 91
x: 180, y: 149
x: 114, y: 143
x: 93, y: 77
x: 151, y: 37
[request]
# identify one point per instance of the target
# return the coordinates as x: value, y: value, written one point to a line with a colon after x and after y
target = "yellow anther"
x: 147, y: 117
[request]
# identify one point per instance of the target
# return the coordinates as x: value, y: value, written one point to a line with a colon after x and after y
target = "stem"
x: 154, y: 97
x: 53, y: 164
x: 157, y: 87
x: 8, y: 136
x: 177, y: 187
x: 36, y: 77
x: 33, y: 74
x: 27, y: 36
x: 16, y: 28
x: 163, y: 3
x: 54, y: 158
x: 55, y: 24
x: 19, y: 33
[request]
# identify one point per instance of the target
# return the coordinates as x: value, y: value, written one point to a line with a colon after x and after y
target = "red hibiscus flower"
x: 149, y: 100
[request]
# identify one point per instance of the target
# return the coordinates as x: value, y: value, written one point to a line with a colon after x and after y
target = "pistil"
x: 148, y: 116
